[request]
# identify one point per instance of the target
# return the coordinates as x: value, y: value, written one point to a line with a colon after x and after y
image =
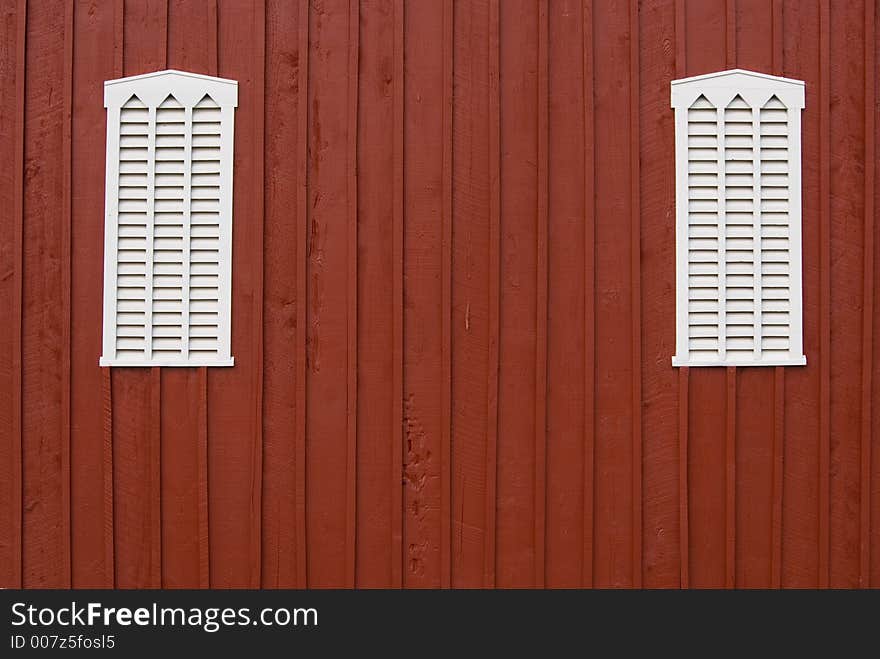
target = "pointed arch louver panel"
x: 738, y: 220
x: 168, y: 223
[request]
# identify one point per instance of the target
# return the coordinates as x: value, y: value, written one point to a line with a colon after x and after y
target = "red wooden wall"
x: 453, y: 306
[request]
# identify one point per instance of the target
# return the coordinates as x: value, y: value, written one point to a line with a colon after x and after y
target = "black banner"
x: 413, y: 623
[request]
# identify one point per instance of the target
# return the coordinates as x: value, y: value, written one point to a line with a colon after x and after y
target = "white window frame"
x: 152, y: 89
x: 720, y: 89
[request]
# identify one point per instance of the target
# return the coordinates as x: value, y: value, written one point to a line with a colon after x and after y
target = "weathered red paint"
x: 453, y: 307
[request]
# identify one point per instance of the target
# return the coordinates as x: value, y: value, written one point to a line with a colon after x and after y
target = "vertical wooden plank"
x: 446, y: 468
x: 566, y: 220
x: 867, y: 300
x: 635, y: 292
x: 755, y: 432
x: 377, y: 224
x: 730, y: 33
x: 108, y: 517
x: 614, y: 535
x: 778, y: 466
x: 874, y: 548
x: 426, y: 270
x: 258, y: 44
x: 518, y: 308
x: 154, y: 483
x: 471, y: 210
x: 825, y: 293
x: 683, y: 494
x: 706, y: 52
x: 846, y: 190
x: 191, y: 26
x: 541, y: 301
x: 45, y: 472
x: 730, y: 480
x: 778, y: 26
x: 329, y: 323
x: 800, y: 532
x: 235, y: 394
x: 12, y: 88
x: 397, y: 419
x: 192, y: 36
x: 203, y: 521
x: 755, y: 48
x: 145, y: 36
x: 302, y: 251
x: 660, y: 381
x: 351, y: 358
x: 589, y: 118
x: 136, y: 426
x: 66, y: 256
x: 133, y: 439
x: 94, y: 63
x: 494, y: 310
x: 284, y: 189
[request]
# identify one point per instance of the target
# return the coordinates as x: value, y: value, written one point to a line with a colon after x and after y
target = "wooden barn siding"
x: 453, y: 306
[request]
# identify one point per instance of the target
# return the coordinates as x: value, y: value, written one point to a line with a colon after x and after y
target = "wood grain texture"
x: 379, y: 478
x: 351, y: 359
x: 824, y: 512
x: 470, y: 292
x: 12, y: 101
x: 661, y: 524
x: 44, y: 350
x: 329, y: 524
x: 588, y: 470
x: 96, y: 33
x: 615, y: 417
x: 446, y: 478
x: 868, y: 298
x: 801, y: 485
x: 235, y: 429
x: 871, y: 168
x: 493, y: 348
x: 302, y: 305
x: 453, y: 295
x: 426, y: 270
x: 284, y: 350
x: 635, y: 257
x: 567, y: 220
x: 397, y: 414
x: 846, y: 190
x: 520, y: 244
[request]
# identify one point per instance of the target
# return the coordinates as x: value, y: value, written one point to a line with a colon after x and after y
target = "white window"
x: 738, y: 220
x: 168, y: 220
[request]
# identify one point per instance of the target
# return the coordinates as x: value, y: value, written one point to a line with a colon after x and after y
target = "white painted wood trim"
x: 681, y: 237
x: 763, y: 362
x: 225, y: 269
x: 795, y: 223
x: 111, y: 213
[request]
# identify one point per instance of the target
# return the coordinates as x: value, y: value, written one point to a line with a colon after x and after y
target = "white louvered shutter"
x: 738, y: 256
x: 168, y: 231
